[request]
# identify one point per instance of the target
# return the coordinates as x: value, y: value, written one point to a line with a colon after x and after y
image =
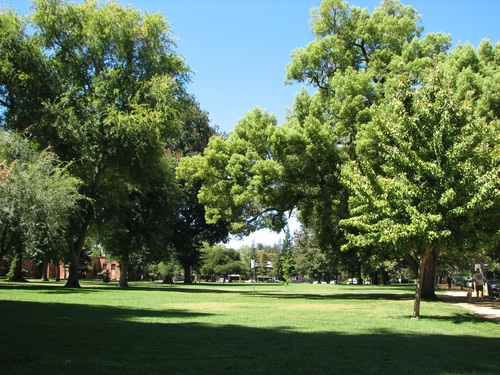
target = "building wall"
x: 98, y: 265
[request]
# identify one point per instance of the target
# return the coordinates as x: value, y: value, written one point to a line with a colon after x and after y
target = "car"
x: 495, y: 287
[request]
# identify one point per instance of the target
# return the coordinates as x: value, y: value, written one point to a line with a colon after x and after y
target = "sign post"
x: 253, y: 264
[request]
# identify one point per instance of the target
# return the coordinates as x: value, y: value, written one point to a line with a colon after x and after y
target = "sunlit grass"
x: 215, y: 328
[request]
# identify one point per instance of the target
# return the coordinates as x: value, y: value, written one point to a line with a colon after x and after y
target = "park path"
x: 489, y: 308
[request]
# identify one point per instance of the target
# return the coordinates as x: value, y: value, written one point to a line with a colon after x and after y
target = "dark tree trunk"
x: 124, y: 263
x: 360, y: 278
x: 187, y: 273
x: 74, y: 267
x: 428, y: 271
x: 58, y: 271
x: 76, y: 239
x: 425, y: 288
x: 384, y: 275
x: 45, y: 262
x: 412, y: 263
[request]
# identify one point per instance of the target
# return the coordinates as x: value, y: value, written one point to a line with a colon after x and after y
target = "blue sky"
x: 239, y: 49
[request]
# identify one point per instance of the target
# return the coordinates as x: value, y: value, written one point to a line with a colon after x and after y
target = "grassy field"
x: 213, y: 328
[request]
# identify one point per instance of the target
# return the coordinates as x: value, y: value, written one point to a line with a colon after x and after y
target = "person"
x: 479, y: 280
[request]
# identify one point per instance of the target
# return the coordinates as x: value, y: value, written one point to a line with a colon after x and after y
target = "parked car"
x: 495, y: 287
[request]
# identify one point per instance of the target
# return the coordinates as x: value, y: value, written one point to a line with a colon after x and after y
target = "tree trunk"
x: 416, y: 302
x: 74, y: 267
x: 124, y: 263
x: 428, y: 272
x: 187, y: 273
x: 76, y: 239
x: 384, y: 275
x: 412, y: 263
x: 58, y: 271
x: 45, y: 262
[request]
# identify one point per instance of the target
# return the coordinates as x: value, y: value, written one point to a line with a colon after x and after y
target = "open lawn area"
x: 220, y: 329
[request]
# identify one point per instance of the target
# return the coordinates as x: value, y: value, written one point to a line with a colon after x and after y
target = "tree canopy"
x: 396, y: 152
x: 116, y: 88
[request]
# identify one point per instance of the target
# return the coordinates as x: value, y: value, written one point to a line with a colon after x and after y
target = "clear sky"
x: 239, y: 49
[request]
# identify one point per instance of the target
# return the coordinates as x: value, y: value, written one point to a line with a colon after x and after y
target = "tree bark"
x: 45, y: 262
x: 58, y: 271
x: 74, y: 267
x: 187, y: 273
x: 124, y: 263
x: 428, y: 271
x: 76, y: 240
x: 384, y: 276
x: 412, y: 263
x: 416, y: 302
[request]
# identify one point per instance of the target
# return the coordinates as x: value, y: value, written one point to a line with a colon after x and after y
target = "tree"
x: 220, y: 261
x: 352, y: 58
x: 437, y: 187
x: 37, y: 197
x: 262, y: 171
x: 191, y: 229
x: 139, y: 226
x: 26, y: 78
x: 117, y: 85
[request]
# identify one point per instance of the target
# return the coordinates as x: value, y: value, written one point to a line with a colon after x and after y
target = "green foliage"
x: 438, y: 183
x: 25, y: 74
x: 37, y: 197
x: 220, y: 261
x: 238, y: 174
x: 113, y: 103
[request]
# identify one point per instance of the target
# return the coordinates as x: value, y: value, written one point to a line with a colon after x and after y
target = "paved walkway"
x: 489, y: 308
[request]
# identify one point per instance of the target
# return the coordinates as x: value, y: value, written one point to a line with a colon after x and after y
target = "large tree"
x: 263, y: 171
x: 117, y: 85
x: 37, y: 196
x: 437, y: 185
x: 353, y: 56
x: 138, y: 225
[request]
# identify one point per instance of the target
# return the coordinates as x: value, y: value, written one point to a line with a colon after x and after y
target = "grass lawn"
x: 214, y: 328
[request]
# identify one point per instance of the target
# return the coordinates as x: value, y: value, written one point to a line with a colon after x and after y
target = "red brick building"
x: 94, y: 270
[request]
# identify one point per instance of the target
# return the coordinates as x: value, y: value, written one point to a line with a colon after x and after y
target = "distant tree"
x: 139, y: 225
x: 220, y: 261
x: 191, y: 229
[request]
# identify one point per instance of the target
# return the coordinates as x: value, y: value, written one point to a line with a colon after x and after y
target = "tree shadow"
x: 82, y: 339
x: 342, y: 296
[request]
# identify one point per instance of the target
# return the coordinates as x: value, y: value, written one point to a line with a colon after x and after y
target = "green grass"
x: 209, y: 328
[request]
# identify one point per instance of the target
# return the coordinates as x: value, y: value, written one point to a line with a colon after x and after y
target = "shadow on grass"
x: 48, y: 338
x: 344, y: 296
